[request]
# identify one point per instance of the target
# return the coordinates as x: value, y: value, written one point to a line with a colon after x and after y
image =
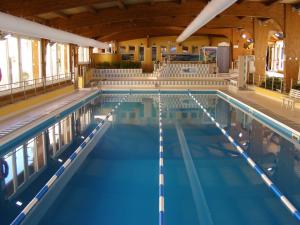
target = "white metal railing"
x: 33, y: 84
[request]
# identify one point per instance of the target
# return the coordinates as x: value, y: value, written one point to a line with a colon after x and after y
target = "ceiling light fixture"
x: 17, y: 25
x: 210, y: 11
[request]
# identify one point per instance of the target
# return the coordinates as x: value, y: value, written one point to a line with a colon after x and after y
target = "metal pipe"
x: 210, y: 11
x: 17, y: 25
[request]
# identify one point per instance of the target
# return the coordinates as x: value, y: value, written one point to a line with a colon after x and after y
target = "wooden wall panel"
x: 292, y: 46
x: 261, y: 33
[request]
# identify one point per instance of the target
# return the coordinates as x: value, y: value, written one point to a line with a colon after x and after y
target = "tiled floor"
x: 15, y: 122
x: 270, y: 107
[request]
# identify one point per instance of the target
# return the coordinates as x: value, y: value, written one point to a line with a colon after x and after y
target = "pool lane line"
x: 257, y: 169
x: 161, y: 167
x: 22, y: 215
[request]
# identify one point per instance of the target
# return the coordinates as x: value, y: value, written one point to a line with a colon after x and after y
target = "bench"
x: 291, y: 99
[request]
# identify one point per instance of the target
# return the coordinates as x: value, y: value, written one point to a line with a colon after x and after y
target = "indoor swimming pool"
x: 174, y: 158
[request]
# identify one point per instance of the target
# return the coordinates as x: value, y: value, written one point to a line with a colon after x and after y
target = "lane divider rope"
x: 161, y: 166
x: 18, y: 220
x: 257, y: 169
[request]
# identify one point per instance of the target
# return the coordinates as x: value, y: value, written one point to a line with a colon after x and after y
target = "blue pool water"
x: 206, y: 180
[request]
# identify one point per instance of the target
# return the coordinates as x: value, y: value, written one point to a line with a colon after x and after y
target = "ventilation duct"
x: 17, y: 25
x: 212, y: 9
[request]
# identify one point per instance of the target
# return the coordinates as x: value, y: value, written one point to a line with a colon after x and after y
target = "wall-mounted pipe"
x: 17, y: 25
x: 212, y: 9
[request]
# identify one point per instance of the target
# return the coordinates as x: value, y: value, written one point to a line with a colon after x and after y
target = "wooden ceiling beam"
x: 35, y: 7
x: 167, y: 9
x: 180, y: 21
x: 143, y: 32
x: 138, y: 11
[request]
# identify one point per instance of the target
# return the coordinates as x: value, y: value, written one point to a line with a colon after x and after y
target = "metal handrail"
x: 11, y: 88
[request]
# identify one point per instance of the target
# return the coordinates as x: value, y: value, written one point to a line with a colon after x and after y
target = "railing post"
x: 24, y: 91
x: 44, y: 83
x: 11, y: 93
x: 35, y: 86
x: 265, y: 81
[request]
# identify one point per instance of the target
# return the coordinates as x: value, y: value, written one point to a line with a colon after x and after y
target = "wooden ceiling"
x: 108, y: 20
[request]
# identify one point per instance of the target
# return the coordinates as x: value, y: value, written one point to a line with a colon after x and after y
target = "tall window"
x: 277, y: 63
x: 4, y: 73
x: 185, y: 49
x: 23, y: 162
x: 195, y: 50
x: 63, y: 59
x: 163, y: 50
x: 57, y: 60
x: 83, y: 55
x: 26, y: 59
x: 122, y: 49
x: 141, y: 53
x: 154, y: 51
x: 19, y: 61
x: 13, y: 63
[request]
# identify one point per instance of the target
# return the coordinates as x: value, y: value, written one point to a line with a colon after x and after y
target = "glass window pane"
x: 54, y: 60
x: 9, y: 186
x: 48, y: 61
x: 51, y: 140
x: 4, y: 73
x: 13, y: 59
x: 31, y: 157
x: 26, y: 60
x: 153, y: 54
x: 141, y: 54
x: 20, y: 164
x: 40, y: 151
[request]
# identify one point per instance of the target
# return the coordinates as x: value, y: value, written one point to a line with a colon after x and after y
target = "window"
x: 195, y: 50
x: 163, y: 50
x: 4, y: 73
x: 12, y: 50
x: 122, y: 49
x: 277, y: 56
x: 20, y: 165
x: 57, y: 60
x: 9, y: 183
x: 154, y: 52
x: 185, y: 49
x: 66, y: 130
x: 96, y: 50
x: 83, y: 55
x: 13, y: 54
x: 51, y: 60
x: 54, y: 139
x: 23, y: 162
x: 131, y: 49
x: 26, y: 60
x: 31, y: 157
x: 141, y: 54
